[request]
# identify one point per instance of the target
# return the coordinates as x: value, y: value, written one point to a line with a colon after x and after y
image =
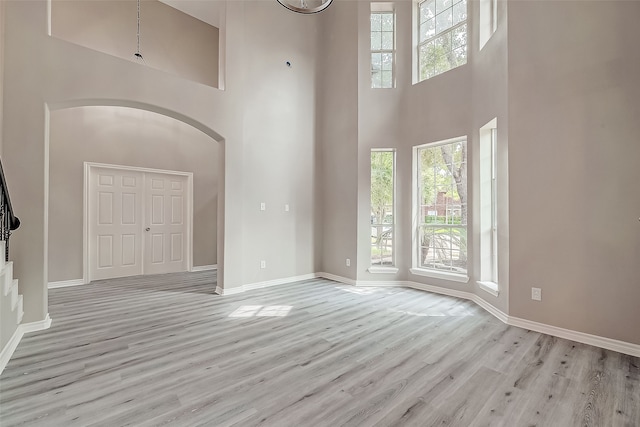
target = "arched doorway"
x: 135, y: 135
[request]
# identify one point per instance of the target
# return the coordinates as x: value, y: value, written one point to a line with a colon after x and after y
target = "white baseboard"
x: 10, y: 347
x: 581, y: 337
x: 229, y: 291
x: 12, y: 344
x: 205, y: 267
x: 276, y: 282
x: 440, y: 290
x: 65, y: 283
x: 335, y: 278
x: 499, y: 314
x: 266, y: 284
x: 40, y: 325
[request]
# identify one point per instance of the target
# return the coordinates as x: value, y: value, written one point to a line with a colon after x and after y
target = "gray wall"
x: 338, y: 138
x: 574, y: 104
x: 129, y: 137
x: 567, y: 119
x: 7, y: 320
x: 561, y: 79
x: 170, y: 40
x: 267, y: 134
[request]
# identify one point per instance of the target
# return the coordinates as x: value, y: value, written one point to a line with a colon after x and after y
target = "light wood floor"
x: 165, y: 350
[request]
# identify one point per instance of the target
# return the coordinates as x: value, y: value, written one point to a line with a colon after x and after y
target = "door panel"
x: 115, y: 223
x: 167, y: 238
x: 137, y: 223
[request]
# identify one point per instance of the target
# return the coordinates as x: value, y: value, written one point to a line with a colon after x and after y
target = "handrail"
x: 8, y: 221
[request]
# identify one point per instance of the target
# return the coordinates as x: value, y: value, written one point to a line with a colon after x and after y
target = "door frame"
x: 88, y: 166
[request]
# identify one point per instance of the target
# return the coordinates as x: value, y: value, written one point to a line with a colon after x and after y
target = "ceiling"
x: 209, y: 11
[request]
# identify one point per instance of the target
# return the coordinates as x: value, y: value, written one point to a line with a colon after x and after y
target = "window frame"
x: 419, y: 44
x: 488, y: 189
x: 385, y: 268
x: 417, y: 267
x: 378, y: 8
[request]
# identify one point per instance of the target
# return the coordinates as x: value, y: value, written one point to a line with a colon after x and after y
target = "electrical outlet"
x: 348, y: 262
x: 263, y: 264
x: 286, y: 208
x: 536, y: 294
x: 263, y: 206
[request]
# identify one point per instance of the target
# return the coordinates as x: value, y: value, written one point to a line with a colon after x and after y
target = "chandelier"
x: 306, y: 6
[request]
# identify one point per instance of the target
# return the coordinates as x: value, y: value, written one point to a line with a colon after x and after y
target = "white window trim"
x: 488, y: 21
x: 462, y: 278
x: 380, y: 8
x: 487, y: 149
x: 489, y: 287
x: 419, y: 271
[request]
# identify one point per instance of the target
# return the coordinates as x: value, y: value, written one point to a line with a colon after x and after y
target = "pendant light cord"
x: 138, y: 54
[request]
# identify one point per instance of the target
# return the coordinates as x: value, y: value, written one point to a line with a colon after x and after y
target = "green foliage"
x: 381, y: 186
x: 447, y: 51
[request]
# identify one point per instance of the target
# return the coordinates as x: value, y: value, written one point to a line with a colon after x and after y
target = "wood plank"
x: 165, y: 350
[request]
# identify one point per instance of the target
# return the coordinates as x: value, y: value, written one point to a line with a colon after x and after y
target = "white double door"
x: 138, y: 222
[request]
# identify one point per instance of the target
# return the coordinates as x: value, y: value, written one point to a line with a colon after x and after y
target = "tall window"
x: 488, y: 20
x: 382, y: 207
x: 382, y: 45
x: 442, y: 206
x: 442, y: 36
x: 488, y: 206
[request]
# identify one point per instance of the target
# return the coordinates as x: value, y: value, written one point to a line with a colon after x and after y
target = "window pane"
x: 427, y: 10
x: 376, y: 22
x: 387, y: 79
x: 387, y: 41
x: 376, y: 61
x: 459, y: 37
x: 427, y: 29
x: 460, y: 56
x: 376, y: 79
x: 387, y: 22
x: 459, y: 12
x: 442, y: 5
x: 387, y: 61
x: 444, y: 21
x: 376, y: 40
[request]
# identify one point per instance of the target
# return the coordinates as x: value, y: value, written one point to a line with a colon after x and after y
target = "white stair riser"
x: 7, y: 275
x: 20, y: 308
x: 14, y: 294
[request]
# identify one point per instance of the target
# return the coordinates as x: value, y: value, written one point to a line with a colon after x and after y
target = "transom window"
x: 382, y: 47
x: 442, y: 36
x: 442, y: 206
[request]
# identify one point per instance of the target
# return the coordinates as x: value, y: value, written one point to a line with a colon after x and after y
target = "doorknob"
x: 147, y: 229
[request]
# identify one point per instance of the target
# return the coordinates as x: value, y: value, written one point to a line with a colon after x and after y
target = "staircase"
x: 11, y: 299
x: 11, y: 302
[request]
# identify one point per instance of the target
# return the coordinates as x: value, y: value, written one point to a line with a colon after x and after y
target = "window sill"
x: 440, y: 275
x: 382, y: 270
x: 489, y: 287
